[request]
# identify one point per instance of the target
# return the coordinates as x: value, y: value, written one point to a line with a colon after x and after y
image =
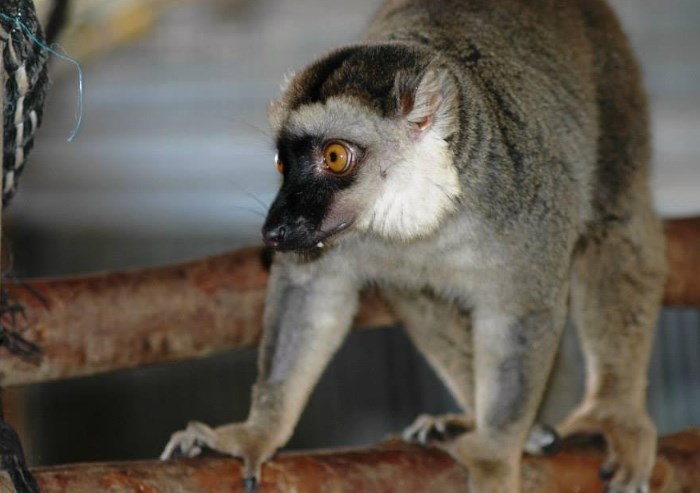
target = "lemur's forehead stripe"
x: 338, y: 118
x: 366, y: 73
x: 306, y: 87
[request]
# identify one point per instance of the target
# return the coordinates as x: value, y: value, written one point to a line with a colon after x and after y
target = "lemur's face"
x: 346, y: 168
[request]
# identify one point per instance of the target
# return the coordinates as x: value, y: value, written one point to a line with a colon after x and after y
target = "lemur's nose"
x: 273, y: 237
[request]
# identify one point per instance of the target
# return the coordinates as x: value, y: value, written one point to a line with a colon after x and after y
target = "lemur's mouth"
x: 282, y: 240
x: 326, y: 235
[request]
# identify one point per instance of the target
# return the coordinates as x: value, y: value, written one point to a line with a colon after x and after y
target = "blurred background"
x: 175, y: 161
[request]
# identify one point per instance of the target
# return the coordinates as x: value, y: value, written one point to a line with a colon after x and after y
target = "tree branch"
x: 104, y: 322
x: 683, y: 252
x: 390, y: 468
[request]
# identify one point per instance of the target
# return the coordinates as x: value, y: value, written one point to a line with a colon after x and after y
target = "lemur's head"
x: 362, y: 145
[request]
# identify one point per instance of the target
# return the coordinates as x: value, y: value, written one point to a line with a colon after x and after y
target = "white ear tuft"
x: 276, y: 107
x: 286, y: 79
x: 428, y: 102
x: 275, y: 114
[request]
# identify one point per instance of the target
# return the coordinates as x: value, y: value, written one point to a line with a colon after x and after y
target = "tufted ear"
x: 427, y: 102
x: 276, y: 107
x: 275, y: 114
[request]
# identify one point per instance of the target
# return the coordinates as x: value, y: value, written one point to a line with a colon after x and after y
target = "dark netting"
x: 26, y: 81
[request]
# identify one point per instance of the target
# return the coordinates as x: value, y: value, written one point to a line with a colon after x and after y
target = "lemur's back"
x: 573, y: 50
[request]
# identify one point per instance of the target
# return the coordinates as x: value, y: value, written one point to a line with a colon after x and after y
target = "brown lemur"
x: 484, y: 163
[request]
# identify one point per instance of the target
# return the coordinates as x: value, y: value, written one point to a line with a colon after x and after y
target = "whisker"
x: 248, y: 209
x: 268, y: 135
x: 264, y: 206
x: 257, y: 199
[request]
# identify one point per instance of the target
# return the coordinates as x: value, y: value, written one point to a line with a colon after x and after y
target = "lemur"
x: 485, y: 164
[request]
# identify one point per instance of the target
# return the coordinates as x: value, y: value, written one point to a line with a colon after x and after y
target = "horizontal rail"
x: 390, y: 468
x: 97, y: 323
x: 683, y: 252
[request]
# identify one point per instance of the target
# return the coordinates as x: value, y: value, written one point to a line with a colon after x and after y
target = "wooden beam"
x: 683, y: 252
x: 97, y: 323
x: 390, y: 468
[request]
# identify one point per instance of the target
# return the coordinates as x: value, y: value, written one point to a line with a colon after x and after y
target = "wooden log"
x: 683, y: 251
x: 390, y: 468
x: 91, y: 324
x: 97, y: 323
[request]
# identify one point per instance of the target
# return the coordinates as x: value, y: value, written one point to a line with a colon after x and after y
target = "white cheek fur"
x: 416, y: 194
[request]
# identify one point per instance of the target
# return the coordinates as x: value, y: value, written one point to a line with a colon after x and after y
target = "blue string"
x: 63, y: 56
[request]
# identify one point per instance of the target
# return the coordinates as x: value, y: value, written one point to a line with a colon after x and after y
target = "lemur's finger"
x: 543, y: 440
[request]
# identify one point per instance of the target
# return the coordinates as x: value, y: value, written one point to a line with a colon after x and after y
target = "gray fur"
x: 512, y: 392
x: 502, y: 169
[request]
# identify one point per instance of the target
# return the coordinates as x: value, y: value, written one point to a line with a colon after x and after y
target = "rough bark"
x: 390, y: 468
x: 97, y: 323
x: 683, y: 251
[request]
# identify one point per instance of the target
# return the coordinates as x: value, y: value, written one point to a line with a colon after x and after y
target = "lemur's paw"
x: 189, y: 442
x: 249, y: 443
x: 631, y: 441
x: 543, y: 440
x: 621, y: 478
x: 428, y: 429
x: 609, y: 471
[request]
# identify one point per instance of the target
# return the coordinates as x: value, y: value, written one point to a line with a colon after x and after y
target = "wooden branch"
x: 91, y: 324
x: 683, y: 251
x: 104, y: 322
x: 390, y: 468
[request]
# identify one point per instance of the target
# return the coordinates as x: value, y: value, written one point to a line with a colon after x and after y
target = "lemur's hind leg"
x: 443, y: 335
x: 616, y: 292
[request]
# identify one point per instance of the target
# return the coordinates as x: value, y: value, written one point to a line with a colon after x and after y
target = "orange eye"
x: 279, y: 165
x: 337, y: 158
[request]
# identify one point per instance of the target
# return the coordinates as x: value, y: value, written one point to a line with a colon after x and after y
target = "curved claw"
x: 607, y: 471
x: 252, y: 467
x: 251, y: 484
x: 435, y: 429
